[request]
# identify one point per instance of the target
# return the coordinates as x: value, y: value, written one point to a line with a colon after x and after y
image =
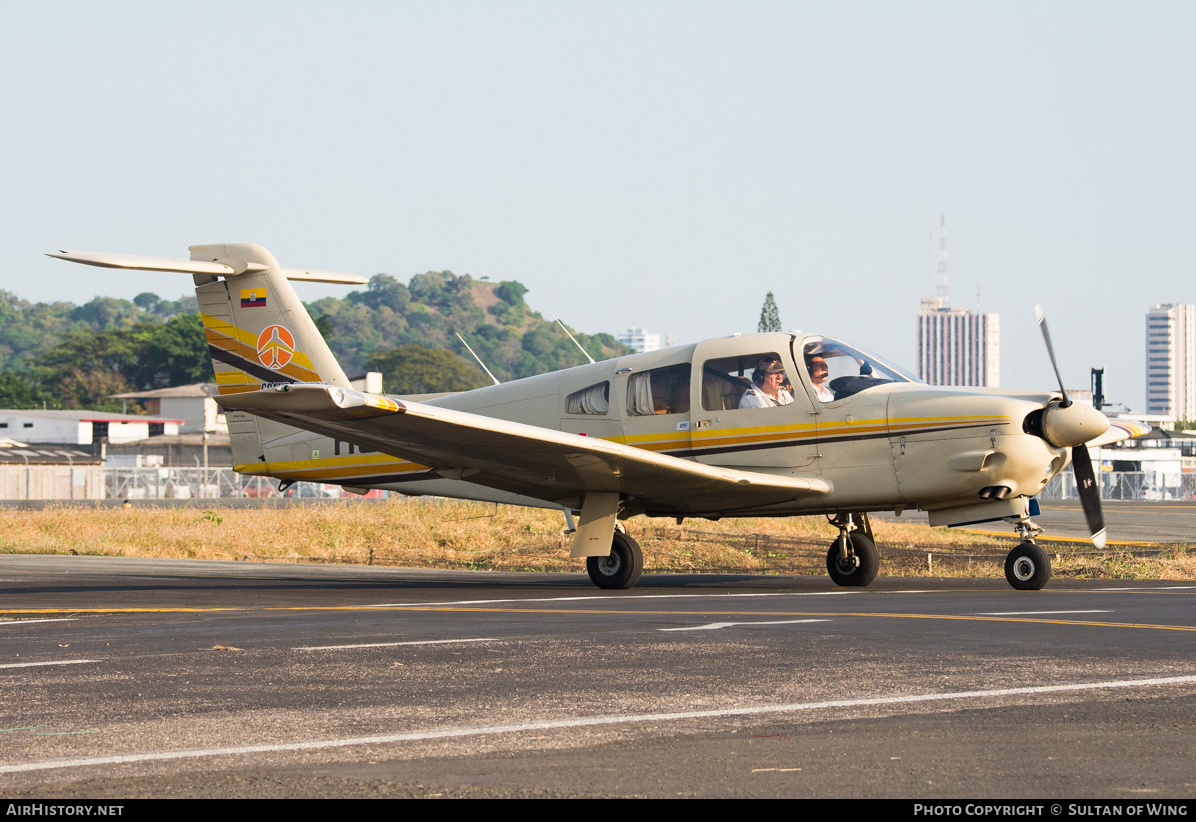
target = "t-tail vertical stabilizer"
x: 256, y: 327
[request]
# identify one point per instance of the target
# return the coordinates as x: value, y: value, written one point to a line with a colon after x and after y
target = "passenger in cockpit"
x: 766, y: 390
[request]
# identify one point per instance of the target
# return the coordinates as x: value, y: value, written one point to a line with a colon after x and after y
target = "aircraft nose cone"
x: 1074, y: 425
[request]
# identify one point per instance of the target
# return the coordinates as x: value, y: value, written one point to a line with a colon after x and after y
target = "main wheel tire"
x: 621, y: 568
x: 1027, y: 567
x: 861, y: 565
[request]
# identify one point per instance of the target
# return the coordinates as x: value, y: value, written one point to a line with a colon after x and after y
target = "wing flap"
x: 513, y: 456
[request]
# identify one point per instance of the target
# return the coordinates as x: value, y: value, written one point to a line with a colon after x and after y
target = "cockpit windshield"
x: 838, y: 370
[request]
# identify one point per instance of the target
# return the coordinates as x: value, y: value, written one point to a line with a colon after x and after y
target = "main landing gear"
x: 1027, y: 567
x: 852, y: 560
x: 621, y: 568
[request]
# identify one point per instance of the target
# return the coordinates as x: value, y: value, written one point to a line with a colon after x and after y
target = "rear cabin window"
x: 593, y: 399
x: 660, y: 391
x: 725, y: 381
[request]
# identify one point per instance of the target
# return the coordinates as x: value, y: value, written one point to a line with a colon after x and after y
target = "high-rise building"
x: 1171, y: 361
x: 955, y: 346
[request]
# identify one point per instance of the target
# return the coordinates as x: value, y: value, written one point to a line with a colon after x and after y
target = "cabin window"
x: 660, y: 391
x: 725, y: 381
x: 594, y: 399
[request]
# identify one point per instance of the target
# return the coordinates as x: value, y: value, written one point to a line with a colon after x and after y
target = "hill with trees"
x: 59, y: 355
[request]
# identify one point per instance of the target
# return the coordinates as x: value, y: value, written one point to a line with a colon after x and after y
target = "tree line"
x: 59, y: 355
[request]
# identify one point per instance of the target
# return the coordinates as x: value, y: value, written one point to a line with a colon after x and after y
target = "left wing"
x: 526, y: 459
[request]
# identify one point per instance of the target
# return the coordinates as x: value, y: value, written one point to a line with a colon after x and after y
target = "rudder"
x: 257, y: 329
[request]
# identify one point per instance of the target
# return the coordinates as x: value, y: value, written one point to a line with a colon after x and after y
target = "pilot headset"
x: 762, y: 369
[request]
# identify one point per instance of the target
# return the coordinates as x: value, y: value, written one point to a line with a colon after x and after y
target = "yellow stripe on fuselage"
x: 366, y: 465
x: 704, y: 438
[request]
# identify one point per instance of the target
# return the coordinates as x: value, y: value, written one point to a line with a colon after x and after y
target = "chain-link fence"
x: 203, y: 483
x: 1156, y: 485
x: 215, y: 483
x: 61, y: 482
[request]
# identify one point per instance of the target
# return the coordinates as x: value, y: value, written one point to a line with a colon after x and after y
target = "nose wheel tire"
x: 621, y: 568
x: 860, y: 566
x: 1027, y: 567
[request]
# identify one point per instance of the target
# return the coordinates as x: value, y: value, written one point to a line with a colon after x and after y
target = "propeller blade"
x: 1040, y: 315
x: 1081, y: 464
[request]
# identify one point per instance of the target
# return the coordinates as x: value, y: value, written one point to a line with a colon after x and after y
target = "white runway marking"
x: 714, y: 626
x: 27, y: 621
x: 394, y: 644
x: 1036, y: 613
x: 607, y: 598
x: 41, y: 664
x: 586, y: 722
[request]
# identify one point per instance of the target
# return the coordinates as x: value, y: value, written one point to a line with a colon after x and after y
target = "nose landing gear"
x: 1027, y: 567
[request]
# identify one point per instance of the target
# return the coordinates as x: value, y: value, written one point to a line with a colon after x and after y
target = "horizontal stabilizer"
x: 228, y: 268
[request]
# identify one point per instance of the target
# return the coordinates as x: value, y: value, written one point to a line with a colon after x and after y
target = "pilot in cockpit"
x: 766, y: 390
x: 816, y: 365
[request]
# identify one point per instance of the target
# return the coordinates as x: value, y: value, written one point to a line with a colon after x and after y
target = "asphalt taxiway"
x: 1137, y: 522
x: 126, y: 678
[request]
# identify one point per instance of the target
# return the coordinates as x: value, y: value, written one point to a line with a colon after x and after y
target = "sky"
x: 673, y: 161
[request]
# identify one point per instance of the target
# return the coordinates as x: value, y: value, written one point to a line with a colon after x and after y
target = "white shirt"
x: 824, y: 393
x: 755, y: 398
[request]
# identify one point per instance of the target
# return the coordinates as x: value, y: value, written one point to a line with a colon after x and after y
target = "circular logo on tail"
x: 275, y: 346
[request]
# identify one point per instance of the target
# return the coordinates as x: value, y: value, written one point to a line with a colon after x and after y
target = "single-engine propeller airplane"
x: 761, y: 425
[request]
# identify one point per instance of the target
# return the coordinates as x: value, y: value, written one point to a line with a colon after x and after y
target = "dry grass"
x: 450, y: 534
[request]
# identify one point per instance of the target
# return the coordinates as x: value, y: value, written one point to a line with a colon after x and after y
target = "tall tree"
x: 19, y: 390
x: 417, y: 369
x: 770, y: 318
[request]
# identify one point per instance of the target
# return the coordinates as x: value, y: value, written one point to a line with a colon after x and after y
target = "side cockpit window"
x: 838, y: 371
x: 747, y: 381
x: 659, y: 391
x: 593, y: 399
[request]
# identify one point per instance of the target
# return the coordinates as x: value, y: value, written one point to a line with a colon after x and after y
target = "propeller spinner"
x: 1067, y: 425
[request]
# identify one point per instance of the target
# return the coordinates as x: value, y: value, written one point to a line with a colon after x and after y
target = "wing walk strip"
x: 614, y: 612
x: 562, y: 723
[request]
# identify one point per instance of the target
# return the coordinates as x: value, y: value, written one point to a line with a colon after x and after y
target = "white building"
x: 1171, y: 361
x: 81, y: 427
x: 194, y: 404
x: 957, y: 347
x: 640, y: 340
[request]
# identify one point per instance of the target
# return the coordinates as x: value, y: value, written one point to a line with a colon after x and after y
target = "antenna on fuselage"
x: 575, y: 342
x: 476, y: 357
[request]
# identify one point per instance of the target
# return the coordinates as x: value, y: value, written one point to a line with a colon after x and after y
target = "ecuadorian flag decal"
x: 253, y: 298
